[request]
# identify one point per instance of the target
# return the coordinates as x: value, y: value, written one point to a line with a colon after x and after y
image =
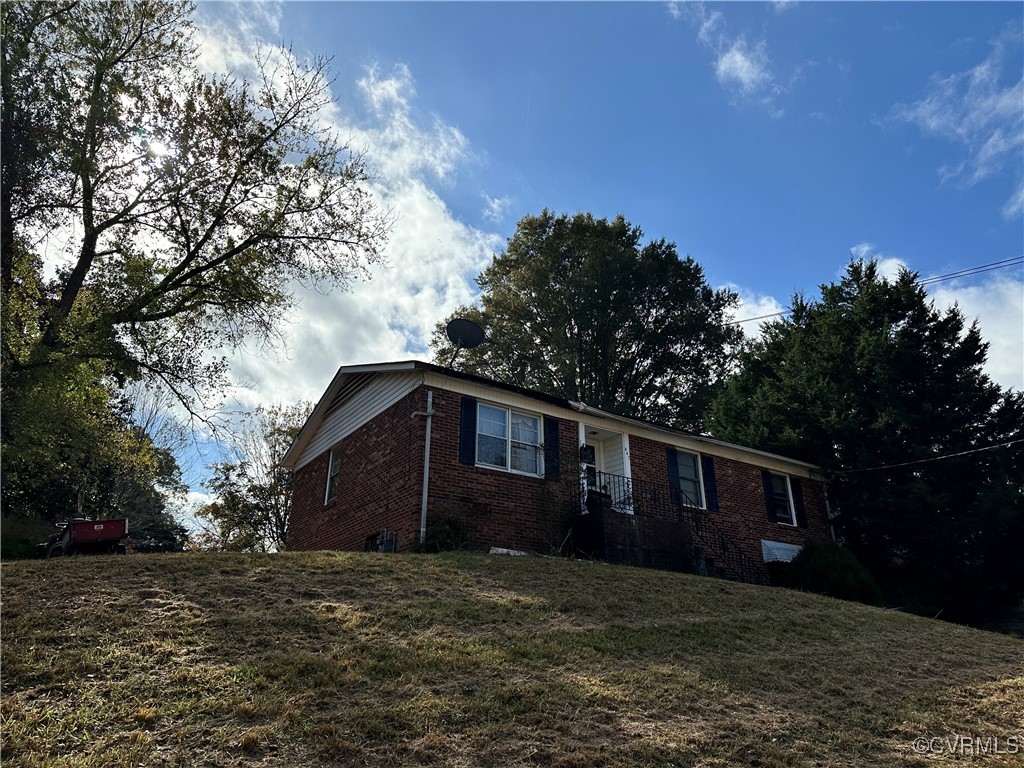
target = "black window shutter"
x: 552, y: 452
x: 769, y: 495
x: 707, y: 465
x: 467, y: 431
x: 673, y: 476
x: 798, y: 501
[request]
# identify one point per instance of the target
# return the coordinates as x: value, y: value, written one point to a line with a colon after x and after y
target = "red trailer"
x: 93, y: 537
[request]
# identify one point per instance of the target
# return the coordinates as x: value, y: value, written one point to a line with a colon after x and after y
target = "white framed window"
x: 689, y: 485
x: 333, y: 474
x: 508, y: 439
x: 780, y: 499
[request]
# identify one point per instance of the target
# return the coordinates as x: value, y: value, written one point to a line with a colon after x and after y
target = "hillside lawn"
x: 351, y: 659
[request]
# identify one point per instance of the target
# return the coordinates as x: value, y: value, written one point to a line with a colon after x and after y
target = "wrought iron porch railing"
x: 718, y: 553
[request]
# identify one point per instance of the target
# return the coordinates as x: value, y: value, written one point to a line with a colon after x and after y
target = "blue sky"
x: 767, y: 165
x: 767, y: 140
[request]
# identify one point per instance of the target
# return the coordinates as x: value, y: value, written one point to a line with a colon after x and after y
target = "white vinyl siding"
x: 379, y: 394
x: 614, y: 461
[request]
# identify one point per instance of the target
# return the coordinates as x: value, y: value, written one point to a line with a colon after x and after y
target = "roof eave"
x: 323, y: 406
x: 291, y: 457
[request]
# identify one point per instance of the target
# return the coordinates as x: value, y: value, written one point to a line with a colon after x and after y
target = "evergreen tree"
x: 889, y: 396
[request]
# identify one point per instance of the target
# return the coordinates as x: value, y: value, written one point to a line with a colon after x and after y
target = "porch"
x: 631, y: 522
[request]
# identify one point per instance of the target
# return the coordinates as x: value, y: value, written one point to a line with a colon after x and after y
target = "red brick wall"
x: 742, y: 513
x: 381, y: 483
x: 379, y: 486
x: 503, y: 509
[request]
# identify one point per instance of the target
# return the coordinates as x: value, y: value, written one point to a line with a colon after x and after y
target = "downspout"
x: 828, y: 512
x: 426, y: 465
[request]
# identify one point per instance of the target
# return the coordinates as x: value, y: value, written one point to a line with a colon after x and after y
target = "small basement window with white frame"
x: 333, y: 474
x: 508, y: 439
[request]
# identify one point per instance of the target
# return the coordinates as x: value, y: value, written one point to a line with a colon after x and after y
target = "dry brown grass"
x: 335, y: 659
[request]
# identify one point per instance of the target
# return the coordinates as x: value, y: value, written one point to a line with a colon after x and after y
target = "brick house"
x: 392, y: 449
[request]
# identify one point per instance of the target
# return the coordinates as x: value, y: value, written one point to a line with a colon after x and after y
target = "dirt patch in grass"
x: 340, y: 659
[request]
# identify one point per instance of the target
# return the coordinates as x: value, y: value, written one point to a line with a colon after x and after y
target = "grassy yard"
x: 308, y: 659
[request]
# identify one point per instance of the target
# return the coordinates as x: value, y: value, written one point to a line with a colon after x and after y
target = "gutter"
x: 597, y: 412
x: 828, y: 512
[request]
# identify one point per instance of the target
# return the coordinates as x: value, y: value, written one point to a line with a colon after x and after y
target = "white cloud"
x: 888, y: 266
x: 998, y: 306
x: 743, y: 67
x: 432, y: 257
x: 980, y: 109
x: 708, y: 23
x: 1015, y: 205
x: 495, y: 208
x: 226, y: 40
x: 862, y: 250
x: 753, y: 304
x: 399, y: 147
x: 389, y: 94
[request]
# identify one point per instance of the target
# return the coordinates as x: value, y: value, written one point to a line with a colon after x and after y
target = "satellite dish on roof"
x: 464, y: 334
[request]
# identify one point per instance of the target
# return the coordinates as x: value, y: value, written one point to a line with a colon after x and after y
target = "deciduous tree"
x: 579, y: 307
x: 80, y: 449
x: 253, y: 493
x: 75, y: 438
x: 152, y: 214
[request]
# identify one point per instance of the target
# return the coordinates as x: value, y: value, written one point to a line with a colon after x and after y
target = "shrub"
x: 832, y: 570
x: 446, y: 531
x: 20, y: 535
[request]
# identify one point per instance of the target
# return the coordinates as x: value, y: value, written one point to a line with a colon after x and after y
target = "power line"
x: 759, y: 317
x: 933, y: 458
x: 1013, y: 262
x: 973, y: 270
